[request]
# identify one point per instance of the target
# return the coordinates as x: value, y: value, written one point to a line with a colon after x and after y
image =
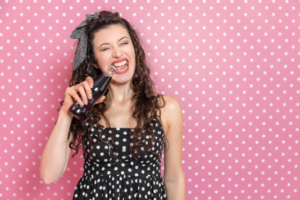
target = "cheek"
x: 101, y: 60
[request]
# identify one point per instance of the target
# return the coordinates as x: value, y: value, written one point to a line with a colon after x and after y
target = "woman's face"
x: 113, y: 46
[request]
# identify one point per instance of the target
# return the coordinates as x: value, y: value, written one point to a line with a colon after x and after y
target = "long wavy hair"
x: 145, y: 104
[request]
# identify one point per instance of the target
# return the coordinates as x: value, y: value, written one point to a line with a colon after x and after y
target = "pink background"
x: 233, y: 65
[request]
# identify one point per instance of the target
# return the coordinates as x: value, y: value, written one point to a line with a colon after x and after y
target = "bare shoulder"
x: 171, y: 113
x: 170, y: 103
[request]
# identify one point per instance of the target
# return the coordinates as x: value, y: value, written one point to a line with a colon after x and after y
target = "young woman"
x: 123, y: 136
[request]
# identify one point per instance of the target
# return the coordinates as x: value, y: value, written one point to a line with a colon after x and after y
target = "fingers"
x: 83, y: 95
x: 73, y: 93
x: 100, y: 100
x: 82, y: 92
x: 88, y: 90
x: 90, y: 81
x: 85, y: 91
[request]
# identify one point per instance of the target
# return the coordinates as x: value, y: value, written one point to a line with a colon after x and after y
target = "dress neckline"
x: 117, y: 128
x: 127, y: 128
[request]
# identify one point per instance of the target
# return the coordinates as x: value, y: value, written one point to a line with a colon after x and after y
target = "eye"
x: 104, y: 49
x: 124, y: 43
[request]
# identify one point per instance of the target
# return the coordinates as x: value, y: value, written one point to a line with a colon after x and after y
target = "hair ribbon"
x: 79, y: 33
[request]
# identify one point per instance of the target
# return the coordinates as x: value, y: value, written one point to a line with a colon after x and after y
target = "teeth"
x: 120, y: 63
x: 123, y: 68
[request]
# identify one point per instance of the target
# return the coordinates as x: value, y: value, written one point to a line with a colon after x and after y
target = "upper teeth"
x: 120, y: 63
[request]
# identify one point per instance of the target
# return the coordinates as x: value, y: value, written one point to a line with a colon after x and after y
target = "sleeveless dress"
x: 106, y: 177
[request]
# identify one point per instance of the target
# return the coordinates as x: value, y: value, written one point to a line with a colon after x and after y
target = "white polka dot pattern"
x: 119, y: 176
x: 233, y: 65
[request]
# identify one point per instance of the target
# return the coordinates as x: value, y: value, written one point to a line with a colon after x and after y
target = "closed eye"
x: 104, y: 49
x: 124, y: 43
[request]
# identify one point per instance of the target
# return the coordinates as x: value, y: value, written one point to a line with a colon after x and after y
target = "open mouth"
x: 121, y: 66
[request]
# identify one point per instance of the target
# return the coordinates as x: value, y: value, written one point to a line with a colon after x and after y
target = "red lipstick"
x: 121, y: 69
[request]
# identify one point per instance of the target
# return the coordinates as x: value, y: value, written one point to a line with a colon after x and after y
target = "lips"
x: 121, y: 65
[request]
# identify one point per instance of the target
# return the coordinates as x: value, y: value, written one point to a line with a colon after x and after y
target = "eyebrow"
x: 108, y: 43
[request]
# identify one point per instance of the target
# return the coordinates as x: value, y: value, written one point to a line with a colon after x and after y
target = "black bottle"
x: 99, y: 88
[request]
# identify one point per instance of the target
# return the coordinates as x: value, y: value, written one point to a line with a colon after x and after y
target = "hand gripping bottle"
x: 100, y: 86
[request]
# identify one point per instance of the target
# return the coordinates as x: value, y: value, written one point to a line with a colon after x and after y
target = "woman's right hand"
x: 80, y: 93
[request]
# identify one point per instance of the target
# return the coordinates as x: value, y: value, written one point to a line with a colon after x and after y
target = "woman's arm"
x: 173, y: 124
x: 56, y: 152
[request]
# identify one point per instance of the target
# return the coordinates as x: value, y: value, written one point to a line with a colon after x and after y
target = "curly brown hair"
x: 145, y: 104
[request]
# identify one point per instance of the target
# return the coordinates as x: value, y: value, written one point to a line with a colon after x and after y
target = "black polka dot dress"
x: 110, y: 178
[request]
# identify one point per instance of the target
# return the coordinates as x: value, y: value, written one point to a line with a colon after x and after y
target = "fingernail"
x: 91, y: 85
x: 90, y: 96
x: 85, y: 102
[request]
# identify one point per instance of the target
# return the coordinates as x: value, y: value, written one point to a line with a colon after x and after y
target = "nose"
x: 117, y: 53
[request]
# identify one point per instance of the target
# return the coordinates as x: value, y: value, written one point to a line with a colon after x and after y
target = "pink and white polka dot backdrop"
x: 233, y: 65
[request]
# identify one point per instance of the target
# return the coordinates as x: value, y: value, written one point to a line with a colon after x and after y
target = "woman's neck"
x: 120, y: 93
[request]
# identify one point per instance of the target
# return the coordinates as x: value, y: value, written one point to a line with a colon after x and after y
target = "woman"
x: 123, y: 135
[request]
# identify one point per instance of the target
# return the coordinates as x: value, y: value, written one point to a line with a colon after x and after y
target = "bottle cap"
x: 112, y: 69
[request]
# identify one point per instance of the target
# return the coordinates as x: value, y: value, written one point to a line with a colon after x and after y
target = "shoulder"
x: 169, y: 103
x: 171, y: 112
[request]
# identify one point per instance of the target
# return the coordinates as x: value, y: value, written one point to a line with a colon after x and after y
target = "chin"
x: 121, y: 81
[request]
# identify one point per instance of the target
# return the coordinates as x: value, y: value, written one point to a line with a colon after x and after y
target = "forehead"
x: 110, y: 34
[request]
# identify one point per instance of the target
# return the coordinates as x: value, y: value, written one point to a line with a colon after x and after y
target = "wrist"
x: 65, y: 111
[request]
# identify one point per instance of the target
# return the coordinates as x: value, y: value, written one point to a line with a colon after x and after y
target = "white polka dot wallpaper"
x: 234, y: 66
